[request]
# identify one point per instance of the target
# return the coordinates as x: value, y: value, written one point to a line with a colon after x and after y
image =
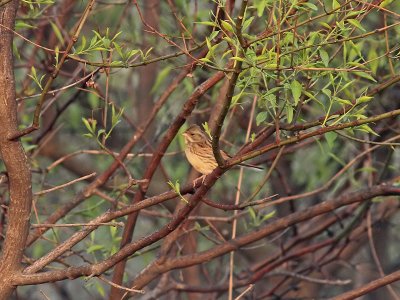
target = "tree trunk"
x: 14, y: 158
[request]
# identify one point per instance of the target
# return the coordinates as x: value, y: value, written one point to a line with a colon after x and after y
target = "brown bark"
x: 148, y: 75
x: 14, y: 158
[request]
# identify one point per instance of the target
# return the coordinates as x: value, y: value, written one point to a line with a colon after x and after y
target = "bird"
x: 199, y: 153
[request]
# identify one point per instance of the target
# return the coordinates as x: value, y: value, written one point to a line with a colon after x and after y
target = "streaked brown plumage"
x: 199, y: 152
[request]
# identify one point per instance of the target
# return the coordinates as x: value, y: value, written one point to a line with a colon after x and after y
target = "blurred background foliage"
x: 305, y: 63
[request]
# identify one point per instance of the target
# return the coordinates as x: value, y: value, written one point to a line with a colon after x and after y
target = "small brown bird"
x: 199, y: 152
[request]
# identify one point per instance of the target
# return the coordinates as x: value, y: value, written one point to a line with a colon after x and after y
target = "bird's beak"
x: 184, y: 134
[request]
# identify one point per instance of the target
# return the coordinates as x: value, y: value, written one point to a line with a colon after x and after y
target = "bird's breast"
x: 203, y: 164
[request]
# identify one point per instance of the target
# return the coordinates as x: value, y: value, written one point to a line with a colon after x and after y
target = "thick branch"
x: 369, y: 287
x: 14, y: 158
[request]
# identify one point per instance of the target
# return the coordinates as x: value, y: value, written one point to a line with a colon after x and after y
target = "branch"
x: 159, y: 153
x: 14, y: 159
x: 102, y: 178
x: 94, y: 224
x: 240, y: 52
x: 4, y: 2
x: 320, y: 131
x: 271, y: 228
x: 36, y: 117
x: 126, y: 251
x: 369, y: 287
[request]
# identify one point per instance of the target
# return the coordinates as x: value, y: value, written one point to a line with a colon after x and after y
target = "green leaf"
x: 119, y: 50
x: 57, y: 50
x: 363, y: 99
x: 310, y: 5
x: 100, y: 289
x: 252, y: 213
x: 21, y: 25
x: 113, y: 231
x: 209, y: 46
x: 261, y: 117
x: 228, y: 39
x: 326, y: 25
x: 324, y: 57
x: 161, y: 76
x: 90, y: 126
x: 356, y: 64
x: 327, y: 92
x: 238, y: 58
x: 172, y: 185
x: 132, y: 53
x: 342, y: 101
x: 148, y: 53
x: 268, y: 216
x: 260, y: 6
x: 106, y: 43
x: 88, y: 135
x: 33, y: 70
x: 289, y: 113
x: 374, y: 62
x: 83, y: 43
x: 356, y: 23
x: 366, y: 128
x: 330, y: 138
x: 365, y: 75
x: 385, y: 3
x: 207, y: 23
x: 354, y: 13
x: 94, y: 248
x: 227, y: 52
x: 247, y: 23
x: 227, y: 26
x: 100, y: 132
x: 296, y: 89
x: 35, y: 78
x: 270, y: 66
x: 117, y: 63
x: 57, y: 32
x: 205, y: 60
x: 214, y: 34
x: 335, y: 4
x: 16, y: 51
x: 115, y: 36
x: 93, y: 41
x: 311, y: 96
x: 207, y: 129
x: 176, y: 188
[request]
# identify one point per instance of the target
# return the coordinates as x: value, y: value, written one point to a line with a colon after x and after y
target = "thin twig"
x: 308, y: 278
x: 250, y: 287
x: 65, y: 184
x: 113, y: 224
x: 120, y: 286
x: 375, y: 254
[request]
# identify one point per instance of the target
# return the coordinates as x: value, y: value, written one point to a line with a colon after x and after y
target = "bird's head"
x: 194, y: 134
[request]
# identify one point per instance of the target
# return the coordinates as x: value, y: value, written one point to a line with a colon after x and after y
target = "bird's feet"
x: 202, y: 177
